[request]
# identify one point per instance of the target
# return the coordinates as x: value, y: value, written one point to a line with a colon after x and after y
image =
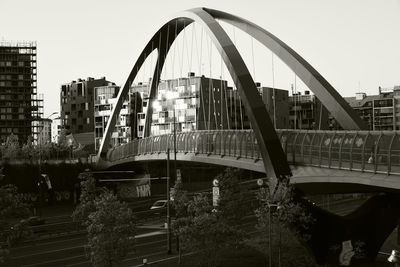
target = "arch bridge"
x: 365, y: 159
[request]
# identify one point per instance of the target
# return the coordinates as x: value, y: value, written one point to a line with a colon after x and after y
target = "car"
x: 159, y: 204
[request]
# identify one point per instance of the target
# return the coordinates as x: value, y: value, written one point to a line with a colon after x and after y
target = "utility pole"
x: 168, y: 207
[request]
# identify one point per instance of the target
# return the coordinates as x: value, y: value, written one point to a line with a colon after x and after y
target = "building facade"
x: 277, y: 104
x: 307, y: 112
x: 55, y: 130
x: 77, y: 104
x: 380, y: 112
x: 20, y: 106
x: 192, y: 103
x: 44, y: 135
x: 105, y: 100
x: 201, y: 103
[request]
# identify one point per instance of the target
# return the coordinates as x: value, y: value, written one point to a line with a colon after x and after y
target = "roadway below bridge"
x: 312, y: 179
x: 69, y: 250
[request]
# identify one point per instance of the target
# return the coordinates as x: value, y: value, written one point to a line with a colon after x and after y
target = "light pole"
x: 168, y: 206
x: 394, y: 257
x: 156, y: 106
x: 40, y: 139
x: 40, y: 163
x: 173, y: 96
x: 272, y: 207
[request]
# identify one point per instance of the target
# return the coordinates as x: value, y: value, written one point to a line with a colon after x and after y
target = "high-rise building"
x: 105, y: 100
x: 277, y: 102
x: 77, y: 104
x: 380, y: 112
x: 20, y: 106
x: 201, y: 103
x: 307, y: 112
x: 55, y: 130
x: 44, y: 135
x: 197, y: 103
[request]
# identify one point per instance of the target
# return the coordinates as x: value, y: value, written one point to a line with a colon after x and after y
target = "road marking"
x: 150, y: 234
x: 82, y: 246
x: 48, y: 243
x: 52, y: 261
x: 126, y: 259
x: 166, y: 259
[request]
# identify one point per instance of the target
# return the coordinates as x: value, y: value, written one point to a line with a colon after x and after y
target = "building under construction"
x: 20, y: 107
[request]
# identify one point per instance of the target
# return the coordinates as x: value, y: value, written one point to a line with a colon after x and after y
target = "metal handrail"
x: 237, y: 143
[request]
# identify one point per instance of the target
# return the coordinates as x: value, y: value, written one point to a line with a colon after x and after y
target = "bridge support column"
x: 355, y: 238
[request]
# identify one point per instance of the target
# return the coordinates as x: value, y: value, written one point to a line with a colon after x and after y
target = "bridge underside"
x: 310, y: 179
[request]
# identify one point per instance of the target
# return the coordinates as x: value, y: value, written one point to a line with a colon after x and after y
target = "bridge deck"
x: 360, y: 157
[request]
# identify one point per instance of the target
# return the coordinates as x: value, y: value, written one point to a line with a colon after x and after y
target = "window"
x: 87, y: 120
x: 86, y: 106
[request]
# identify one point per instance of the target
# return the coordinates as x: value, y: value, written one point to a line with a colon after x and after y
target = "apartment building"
x: 21, y: 107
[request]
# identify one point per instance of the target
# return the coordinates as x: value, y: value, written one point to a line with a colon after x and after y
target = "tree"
x: 11, y: 148
x: 13, y: 223
x: 206, y: 231
x: 89, y: 191
x: 110, y: 223
x: 111, y: 230
x: 280, y: 211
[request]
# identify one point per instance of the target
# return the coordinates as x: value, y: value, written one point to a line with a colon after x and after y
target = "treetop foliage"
x: 13, y: 223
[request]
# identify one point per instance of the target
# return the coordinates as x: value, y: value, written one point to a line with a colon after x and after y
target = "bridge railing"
x: 366, y: 151
x: 239, y: 144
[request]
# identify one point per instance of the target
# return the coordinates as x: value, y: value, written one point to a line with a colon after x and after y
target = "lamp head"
x: 394, y: 257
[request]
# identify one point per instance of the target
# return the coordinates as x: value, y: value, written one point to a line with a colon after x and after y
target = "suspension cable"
x: 191, y: 49
x: 252, y: 55
x: 273, y: 86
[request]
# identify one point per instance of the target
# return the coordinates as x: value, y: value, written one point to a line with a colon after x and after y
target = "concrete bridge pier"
x: 355, y: 238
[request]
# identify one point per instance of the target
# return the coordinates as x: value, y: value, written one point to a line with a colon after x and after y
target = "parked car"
x: 159, y: 204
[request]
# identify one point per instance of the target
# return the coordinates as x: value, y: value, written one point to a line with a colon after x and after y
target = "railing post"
x: 376, y: 151
x: 363, y: 153
x: 351, y: 150
x: 230, y: 143
x: 320, y: 149
x: 311, y: 146
x: 240, y: 144
x: 330, y: 150
x: 246, y: 144
x: 224, y: 142
x: 340, y: 150
x: 390, y: 154
x: 294, y: 148
x: 302, y: 146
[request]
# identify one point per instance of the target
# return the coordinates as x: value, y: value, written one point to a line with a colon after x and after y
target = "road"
x: 68, y: 249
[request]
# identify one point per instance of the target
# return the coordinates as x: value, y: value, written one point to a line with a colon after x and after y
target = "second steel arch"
x: 274, y: 159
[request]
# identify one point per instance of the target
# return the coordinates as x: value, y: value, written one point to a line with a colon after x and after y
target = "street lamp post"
x: 168, y: 206
x: 39, y: 141
x: 272, y: 207
x: 174, y: 144
x: 156, y: 105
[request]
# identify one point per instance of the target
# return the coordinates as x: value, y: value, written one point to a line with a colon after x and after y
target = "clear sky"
x: 354, y: 44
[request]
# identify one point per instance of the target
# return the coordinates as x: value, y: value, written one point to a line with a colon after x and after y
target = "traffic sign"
x: 215, y: 182
x: 215, y: 195
x: 178, y: 175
